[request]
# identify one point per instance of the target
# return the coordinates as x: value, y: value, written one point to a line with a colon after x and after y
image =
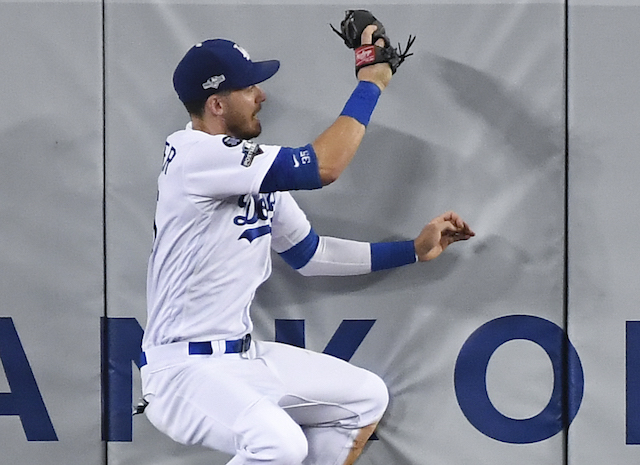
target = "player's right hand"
x: 441, y: 232
x: 379, y: 73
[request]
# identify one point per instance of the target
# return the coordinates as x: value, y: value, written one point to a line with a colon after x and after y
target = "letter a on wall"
x: 24, y: 399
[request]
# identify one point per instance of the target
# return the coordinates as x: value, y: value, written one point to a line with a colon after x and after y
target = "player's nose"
x: 260, y: 95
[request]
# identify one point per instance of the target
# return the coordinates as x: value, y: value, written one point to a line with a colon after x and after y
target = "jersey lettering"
x: 251, y: 234
x: 169, y: 155
x: 256, y: 207
x: 305, y: 157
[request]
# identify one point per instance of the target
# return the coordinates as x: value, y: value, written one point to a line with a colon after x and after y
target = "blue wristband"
x: 300, y: 254
x: 362, y: 102
x: 385, y: 255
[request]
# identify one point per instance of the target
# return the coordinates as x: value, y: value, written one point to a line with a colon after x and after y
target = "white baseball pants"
x: 276, y: 404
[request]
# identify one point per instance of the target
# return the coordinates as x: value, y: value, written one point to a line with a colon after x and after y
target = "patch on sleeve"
x: 231, y: 141
x: 250, y: 150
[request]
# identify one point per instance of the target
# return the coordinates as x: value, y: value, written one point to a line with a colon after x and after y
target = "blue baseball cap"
x: 216, y: 65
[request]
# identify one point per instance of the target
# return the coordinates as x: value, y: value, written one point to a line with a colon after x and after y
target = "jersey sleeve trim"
x: 293, y: 169
x: 301, y: 253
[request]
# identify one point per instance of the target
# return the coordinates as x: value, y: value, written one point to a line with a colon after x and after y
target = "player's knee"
x: 267, y: 435
x: 378, y: 396
x: 282, y: 446
x: 291, y: 452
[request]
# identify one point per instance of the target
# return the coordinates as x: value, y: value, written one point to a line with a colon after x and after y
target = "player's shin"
x: 359, y: 442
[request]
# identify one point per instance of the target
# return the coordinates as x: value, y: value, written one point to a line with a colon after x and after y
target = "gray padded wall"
x: 51, y: 232
x: 604, y: 170
x: 475, y: 121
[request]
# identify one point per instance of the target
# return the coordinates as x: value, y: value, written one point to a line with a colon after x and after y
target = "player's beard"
x: 243, y: 126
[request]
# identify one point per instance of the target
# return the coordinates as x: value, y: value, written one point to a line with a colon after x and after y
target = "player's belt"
x: 237, y: 346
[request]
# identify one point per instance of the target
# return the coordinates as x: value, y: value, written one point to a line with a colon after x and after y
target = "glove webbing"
x: 367, y: 55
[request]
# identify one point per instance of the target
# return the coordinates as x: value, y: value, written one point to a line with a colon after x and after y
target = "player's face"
x: 241, y: 112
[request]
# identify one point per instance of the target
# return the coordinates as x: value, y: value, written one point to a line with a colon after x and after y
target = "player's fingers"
x: 447, y: 228
x: 367, y: 35
x: 447, y: 216
x: 467, y: 230
x: 452, y: 233
x: 448, y: 225
x: 459, y: 236
x: 463, y: 228
x: 455, y: 219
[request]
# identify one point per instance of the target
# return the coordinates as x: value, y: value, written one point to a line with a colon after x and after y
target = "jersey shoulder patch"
x: 231, y: 141
x: 250, y: 151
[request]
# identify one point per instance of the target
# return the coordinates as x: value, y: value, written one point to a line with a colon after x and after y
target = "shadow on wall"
x: 533, y: 138
x: 393, y: 178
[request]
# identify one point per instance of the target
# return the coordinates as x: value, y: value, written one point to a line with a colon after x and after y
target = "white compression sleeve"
x: 338, y: 257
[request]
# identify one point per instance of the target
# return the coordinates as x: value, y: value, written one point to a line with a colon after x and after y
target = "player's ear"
x: 216, y: 104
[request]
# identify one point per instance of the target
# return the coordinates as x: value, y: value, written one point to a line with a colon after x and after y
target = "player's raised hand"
x: 439, y: 234
x: 379, y: 73
x: 363, y: 33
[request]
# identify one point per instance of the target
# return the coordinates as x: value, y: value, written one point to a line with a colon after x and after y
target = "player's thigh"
x: 320, y: 388
x: 216, y: 404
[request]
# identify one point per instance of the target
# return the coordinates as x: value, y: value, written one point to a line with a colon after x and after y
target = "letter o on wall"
x: 471, y: 387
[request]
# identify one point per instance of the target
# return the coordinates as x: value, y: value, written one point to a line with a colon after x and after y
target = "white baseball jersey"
x: 213, y: 237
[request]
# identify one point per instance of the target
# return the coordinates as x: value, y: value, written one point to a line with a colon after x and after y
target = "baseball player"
x: 223, y: 206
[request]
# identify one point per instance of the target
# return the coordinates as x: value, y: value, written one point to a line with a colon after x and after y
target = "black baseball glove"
x: 351, y: 27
